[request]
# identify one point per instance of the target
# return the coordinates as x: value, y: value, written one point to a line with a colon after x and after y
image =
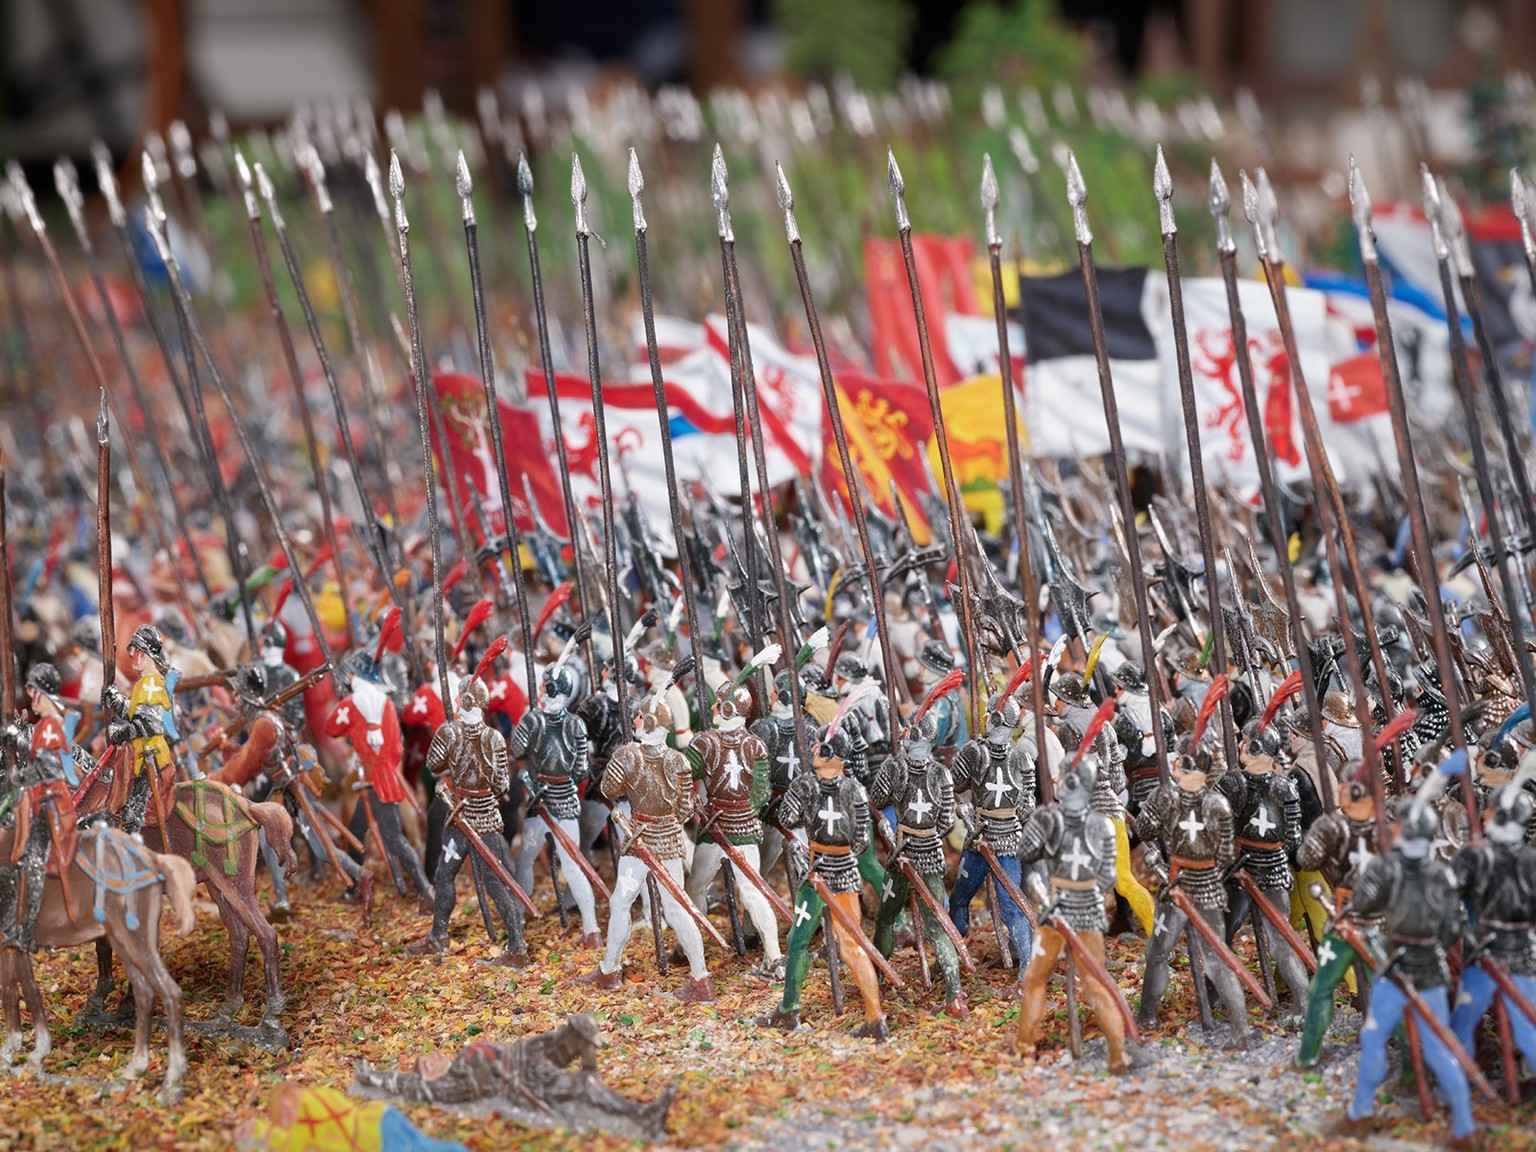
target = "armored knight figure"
x: 469, y: 758
x: 606, y: 734
x: 279, y: 673
x: 865, y: 701
x: 146, y: 723
x: 1196, y: 823
x: 658, y: 785
x: 1416, y: 897
x: 1498, y: 882
x: 45, y: 812
x: 1338, y: 845
x: 777, y: 732
x: 999, y: 776
x: 833, y: 808
x: 1109, y: 796
x: 732, y: 762
x: 1266, y: 817
x: 918, y: 786
x: 554, y: 740
x: 1077, y: 844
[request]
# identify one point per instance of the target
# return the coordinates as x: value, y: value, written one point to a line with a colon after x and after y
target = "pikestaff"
x: 193, y: 332
x: 840, y: 436
x: 600, y: 437
x: 1077, y: 195
x: 957, y: 517
x: 7, y: 649
x: 296, y: 374
x: 487, y: 376
x: 98, y: 374
x: 1162, y: 186
x: 1263, y: 459
x: 154, y: 214
x: 547, y: 363
x: 989, y: 199
x: 375, y: 534
x: 67, y: 182
x: 674, y: 504
x: 421, y: 380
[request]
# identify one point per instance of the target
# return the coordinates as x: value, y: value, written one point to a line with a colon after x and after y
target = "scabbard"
x: 733, y: 854
x: 563, y: 838
x: 642, y: 852
x: 497, y: 869
x: 915, y: 879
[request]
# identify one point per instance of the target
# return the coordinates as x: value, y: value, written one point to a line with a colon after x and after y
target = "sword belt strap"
x: 1412, y: 941
x: 1177, y: 864
x: 552, y: 779
x: 1506, y: 925
x: 472, y: 793
x: 831, y: 849
x: 907, y: 830
x: 1074, y: 885
x: 1259, y: 845
x: 998, y: 813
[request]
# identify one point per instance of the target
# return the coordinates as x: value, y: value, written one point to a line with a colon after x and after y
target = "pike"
x: 564, y: 840
x: 989, y: 200
x: 636, y: 847
x: 498, y: 869
x: 1077, y: 195
x: 600, y: 436
x: 106, y: 607
x: 919, y: 889
x: 636, y: 182
x: 1261, y: 215
x: 733, y: 854
x: 1162, y: 185
x: 422, y: 385
x: 295, y: 373
x: 193, y: 332
x: 1226, y: 246
x: 547, y: 364
x: 487, y: 376
x: 7, y: 641
x: 154, y: 218
x: 1277, y: 919
x: 845, y: 460
x: 974, y: 657
x: 349, y: 447
x: 851, y: 926
x: 67, y: 183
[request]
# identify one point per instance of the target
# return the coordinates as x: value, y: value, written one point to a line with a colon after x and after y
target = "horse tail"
x: 278, y: 826
x: 180, y: 882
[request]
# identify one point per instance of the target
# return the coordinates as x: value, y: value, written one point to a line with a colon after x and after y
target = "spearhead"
x: 375, y: 180
x: 525, y: 190
x: 106, y: 180
x: 67, y: 181
x: 1360, y: 207
x: 269, y: 194
x: 154, y: 224
x: 720, y: 195
x: 1077, y: 196
x: 181, y: 150
x: 1431, y: 191
x: 314, y: 168
x: 579, y: 196
x: 1269, y: 212
x: 898, y: 188
x: 397, y: 192
x: 24, y: 198
x: 103, y: 424
x: 786, y: 203
x: 636, y: 187
x: 1519, y: 200
x: 1456, y: 234
x: 1221, y: 209
x: 1252, y: 213
x: 152, y: 185
x: 218, y: 126
x: 465, y: 186
x: 247, y: 189
x: 1162, y: 188
x: 989, y: 198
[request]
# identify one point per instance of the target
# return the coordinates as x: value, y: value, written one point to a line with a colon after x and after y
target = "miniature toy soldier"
x: 1498, y: 882
x: 146, y: 722
x: 658, y: 784
x: 554, y: 739
x: 1266, y: 815
x: 833, y: 808
x: 919, y: 788
x: 936, y: 661
x: 1077, y: 844
x: 469, y: 759
x: 777, y: 732
x: 279, y: 673
x: 1338, y: 845
x: 1196, y: 823
x: 1417, y: 899
x: 1109, y: 792
x: 733, y: 764
x: 1000, y: 778
x: 1075, y: 704
x: 45, y: 812
x: 867, y: 704
x: 367, y: 719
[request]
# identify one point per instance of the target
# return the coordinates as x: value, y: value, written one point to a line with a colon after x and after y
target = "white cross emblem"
x: 1262, y: 822
x: 151, y: 684
x: 791, y: 762
x: 802, y: 914
x: 998, y: 789
x: 1326, y: 955
x: 889, y: 890
x: 419, y: 706
x: 303, y: 828
x: 50, y: 737
x: 343, y: 715
x: 920, y: 807
x: 1077, y: 858
x: 500, y: 691
x: 451, y: 851
x: 734, y: 768
x: 1159, y: 924
x: 1361, y: 855
x: 1192, y: 826
x: 829, y: 816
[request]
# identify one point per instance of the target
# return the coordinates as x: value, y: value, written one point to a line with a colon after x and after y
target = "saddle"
x: 115, y: 863
x: 217, y: 815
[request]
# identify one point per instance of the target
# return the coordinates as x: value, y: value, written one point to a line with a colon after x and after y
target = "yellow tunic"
x: 149, y: 692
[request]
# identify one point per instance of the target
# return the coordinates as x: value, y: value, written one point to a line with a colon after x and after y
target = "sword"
x: 1091, y: 963
x: 1277, y: 921
x: 302, y: 797
x: 637, y: 848
x: 377, y: 838
x: 851, y: 926
x: 563, y: 838
x: 733, y: 854
x: 498, y: 870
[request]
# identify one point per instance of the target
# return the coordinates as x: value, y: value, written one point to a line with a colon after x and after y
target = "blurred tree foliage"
x: 865, y: 40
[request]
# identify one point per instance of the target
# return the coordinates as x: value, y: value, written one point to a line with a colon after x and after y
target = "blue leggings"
x: 972, y: 875
x: 1477, y: 992
x: 1387, y: 1007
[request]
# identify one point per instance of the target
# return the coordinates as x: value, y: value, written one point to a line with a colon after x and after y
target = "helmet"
x: 274, y: 635
x: 473, y: 694
x: 359, y: 662
x: 146, y: 638
x: 836, y: 744
x: 44, y: 678
x: 251, y: 683
x: 1077, y: 781
x: 850, y: 666
x: 936, y: 657
x: 1338, y: 708
x: 920, y: 736
x: 1510, y: 811
x: 560, y: 681
x: 731, y: 702
x: 1069, y: 735
x: 1003, y: 716
x: 1419, y: 821
x: 1131, y: 676
x: 172, y: 625
x: 1260, y: 741
x: 1189, y: 663
x: 655, y: 713
x: 1070, y: 686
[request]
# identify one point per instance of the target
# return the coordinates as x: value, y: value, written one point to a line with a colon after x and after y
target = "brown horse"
x: 112, y: 890
x: 215, y: 828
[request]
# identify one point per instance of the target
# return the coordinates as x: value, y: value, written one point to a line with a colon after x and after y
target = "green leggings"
x: 894, y: 900
x: 1333, y: 961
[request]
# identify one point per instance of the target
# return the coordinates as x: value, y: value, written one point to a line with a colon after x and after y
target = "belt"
x: 1075, y: 885
x: 1342, y: 893
x: 905, y: 830
x: 474, y: 793
x: 1144, y: 773
x: 562, y: 779
x: 1259, y: 845
x: 1413, y: 941
x: 1177, y: 864
x: 998, y: 813
x: 1505, y: 926
x: 831, y: 849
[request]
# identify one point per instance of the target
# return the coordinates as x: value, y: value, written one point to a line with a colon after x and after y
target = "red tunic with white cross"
x: 368, y: 720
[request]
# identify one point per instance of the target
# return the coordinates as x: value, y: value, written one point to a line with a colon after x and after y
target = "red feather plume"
x: 1016, y: 681
x: 387, y: 633
x: 1395, y: 727
x: 498, y: 646
x: 1288, y: 688
x: 559, y: 596
x: 459, y: 570
x: 320, y: 558
x: 1214, y: 695
x: 476, y: 616
x: 950, y: 681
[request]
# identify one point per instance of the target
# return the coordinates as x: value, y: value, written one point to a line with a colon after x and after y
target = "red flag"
x: 888, y: 425
x: 1356, y: 388
x: 943, y: 274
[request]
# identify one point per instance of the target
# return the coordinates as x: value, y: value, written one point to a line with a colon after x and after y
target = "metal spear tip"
x: 181, y: 149
x: 103, y: 423
x: 396, y: 176
x: 897, y: 188
x: 719, y: 180
x: 462, y: 178
x: 1267, y: 199
x: 1431, y: 193
x: 524, y: 175
x: 1517, y: 201
x: 268, y: 192
x: 106, y: 180
x: 23, y: 192
x: 67, y: 182
x: 1359, y: 195
x: 1077, y: 191
x: 247, y: 186
x: 636, y: 178
x: 1162, y: 188
x: 989, y: 192
x: 786, y: 203
x: 1220, y: 198
x: 1250, y: 198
